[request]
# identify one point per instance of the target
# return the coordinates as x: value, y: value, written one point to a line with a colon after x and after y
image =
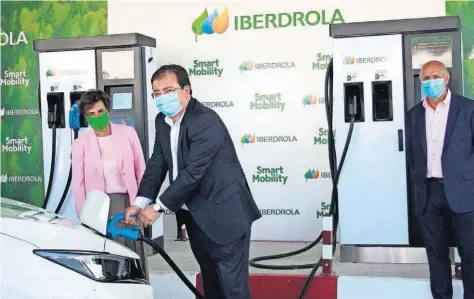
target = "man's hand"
x: 132, y: 211
x: 148, y: 216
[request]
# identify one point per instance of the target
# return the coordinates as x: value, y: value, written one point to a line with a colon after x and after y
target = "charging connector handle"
x: 75, y: 116
x: 52, y: 116
x: 113, y: 231
x: 353, y: 107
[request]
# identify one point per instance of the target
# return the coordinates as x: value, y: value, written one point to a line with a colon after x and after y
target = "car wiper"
x: 135, y: 281
x: 93, y: 230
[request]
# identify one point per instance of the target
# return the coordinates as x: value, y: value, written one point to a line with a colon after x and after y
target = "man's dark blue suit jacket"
x: 457, y: 158
x: 211, y: 181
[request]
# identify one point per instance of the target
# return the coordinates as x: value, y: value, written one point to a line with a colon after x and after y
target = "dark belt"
x: 439, y: 180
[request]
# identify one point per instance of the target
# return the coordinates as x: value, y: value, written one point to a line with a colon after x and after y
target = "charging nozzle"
x: 114, y: 231
x: 354, y: 102
x: 52, y: 116
x: 353, y: 107
x: 56, y: 115
x: 53, y: 124
x: 75, y: 116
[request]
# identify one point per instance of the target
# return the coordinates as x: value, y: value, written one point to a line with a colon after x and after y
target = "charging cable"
x: 335, y: 172
x: 74, y: 124
x: 135, y: 234
x: 52, y: 115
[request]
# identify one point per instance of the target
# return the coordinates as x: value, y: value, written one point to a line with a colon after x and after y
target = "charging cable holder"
x: 52, y: 116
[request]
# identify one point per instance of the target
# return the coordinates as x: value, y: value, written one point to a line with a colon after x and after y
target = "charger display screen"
x: 129, y: 121
x: 122, y: 101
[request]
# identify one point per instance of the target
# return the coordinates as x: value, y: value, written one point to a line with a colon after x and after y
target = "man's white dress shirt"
x: 436, y: 120
x: 142, y: 202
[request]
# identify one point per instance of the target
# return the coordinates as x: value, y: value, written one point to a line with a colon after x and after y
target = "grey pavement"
x: 181, y: 253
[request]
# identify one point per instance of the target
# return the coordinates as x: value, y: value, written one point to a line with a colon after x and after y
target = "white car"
x: 45, y: 256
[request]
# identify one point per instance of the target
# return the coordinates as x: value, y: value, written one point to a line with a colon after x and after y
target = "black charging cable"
x: 172, y: 264
x: 68, y: 183
x: 138, y: 236
x: 334, y: 208
x: 335, y: 171
x: 75, y: 125
x: 52, y: 118
x: 254, y: 261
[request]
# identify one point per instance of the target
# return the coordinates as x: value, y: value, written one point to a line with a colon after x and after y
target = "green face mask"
x: 99, y: 123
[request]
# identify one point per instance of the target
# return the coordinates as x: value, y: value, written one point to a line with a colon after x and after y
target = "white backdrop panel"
x: 291, y: 210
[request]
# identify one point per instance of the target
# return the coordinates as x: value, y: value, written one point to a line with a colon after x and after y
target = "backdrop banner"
x: 465, y: 10
x: 23, y: 22
x: 261, y: 66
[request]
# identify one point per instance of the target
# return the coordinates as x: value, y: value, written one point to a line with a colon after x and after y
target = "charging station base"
x: 386, y: 255
x: 351, y: 281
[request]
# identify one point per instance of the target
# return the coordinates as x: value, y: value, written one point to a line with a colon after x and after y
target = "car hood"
x: 47, y: 230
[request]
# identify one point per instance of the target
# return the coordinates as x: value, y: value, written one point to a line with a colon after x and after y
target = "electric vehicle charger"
x: 52, y: 122
x: 135, y: 234
x: 335, y: 173
x: 74, y: 124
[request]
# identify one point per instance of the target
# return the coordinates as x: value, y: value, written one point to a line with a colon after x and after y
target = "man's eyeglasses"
x: 157, y: 94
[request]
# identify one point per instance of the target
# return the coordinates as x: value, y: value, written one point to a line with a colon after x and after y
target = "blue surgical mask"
x: 169, y: 104
x: 433, y: 88
x: 423, y: 94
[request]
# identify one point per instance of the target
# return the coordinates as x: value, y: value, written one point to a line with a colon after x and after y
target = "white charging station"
x: 119, y: 64
x: 378, y: 64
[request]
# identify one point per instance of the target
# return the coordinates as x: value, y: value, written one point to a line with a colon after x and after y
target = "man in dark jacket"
x: 206, y: 181
x: 440, y: 152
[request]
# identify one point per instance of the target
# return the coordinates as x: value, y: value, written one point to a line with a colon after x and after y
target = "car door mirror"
x: 95, y: 212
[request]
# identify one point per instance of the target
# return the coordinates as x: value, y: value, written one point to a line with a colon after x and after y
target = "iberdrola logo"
x: 247, y: 138
x: 50, y: 72
x: 246, y: 66
x: 310, y: 100
x: 210, y: 24
x: 349, y: 60
x: 311, y: 174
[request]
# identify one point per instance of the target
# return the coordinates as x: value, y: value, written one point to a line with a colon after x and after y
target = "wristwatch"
x: 157, y: 208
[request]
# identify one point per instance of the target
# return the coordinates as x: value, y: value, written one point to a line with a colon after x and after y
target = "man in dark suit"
x: 206, y: 181
x: 440, y: 151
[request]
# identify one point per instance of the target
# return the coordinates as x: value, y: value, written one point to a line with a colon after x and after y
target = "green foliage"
x: 38, y: 20
x: 465, y: 11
